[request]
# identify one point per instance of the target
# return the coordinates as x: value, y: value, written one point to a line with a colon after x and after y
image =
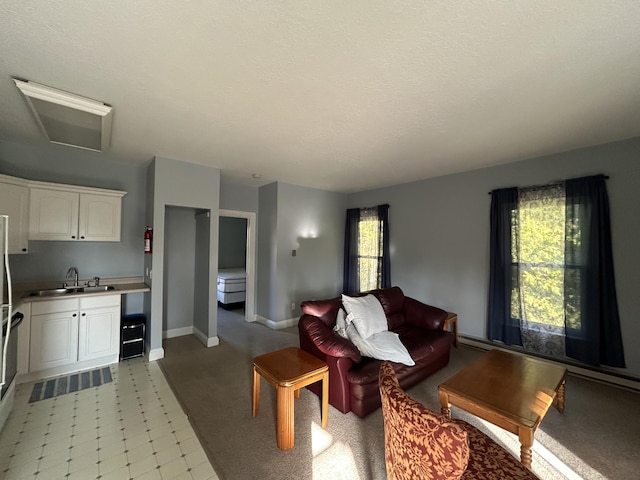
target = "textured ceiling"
x: 336, y: 95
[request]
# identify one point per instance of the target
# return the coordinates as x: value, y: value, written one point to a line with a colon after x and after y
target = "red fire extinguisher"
x: 148, y: 238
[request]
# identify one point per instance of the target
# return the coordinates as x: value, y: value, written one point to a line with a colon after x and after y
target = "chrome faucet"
x: 72, y: 273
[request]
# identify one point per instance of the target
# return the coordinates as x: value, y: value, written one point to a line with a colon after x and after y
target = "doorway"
x: 186, y: 281
x: 237, y: 230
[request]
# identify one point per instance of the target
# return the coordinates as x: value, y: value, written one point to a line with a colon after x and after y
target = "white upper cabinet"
x: 53, y: 215
x: 14, y: 201
x: 99, y: 218
x: 74, y: 213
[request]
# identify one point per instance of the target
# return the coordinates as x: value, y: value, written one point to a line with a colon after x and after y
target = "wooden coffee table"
x: 511, y: 391
x: 288, y: 370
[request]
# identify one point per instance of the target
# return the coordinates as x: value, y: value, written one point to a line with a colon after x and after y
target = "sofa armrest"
x: 422, y: 315
x: 326, y: 340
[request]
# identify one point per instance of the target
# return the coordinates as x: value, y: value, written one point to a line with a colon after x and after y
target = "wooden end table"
x: 511, y: 391
x: 289, y: 370
x: 451, y: 323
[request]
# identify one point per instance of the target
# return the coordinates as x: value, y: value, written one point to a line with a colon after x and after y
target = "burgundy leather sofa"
x: 353, y: 379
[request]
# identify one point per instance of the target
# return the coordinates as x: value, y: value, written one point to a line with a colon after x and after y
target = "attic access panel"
x: 69, y: 119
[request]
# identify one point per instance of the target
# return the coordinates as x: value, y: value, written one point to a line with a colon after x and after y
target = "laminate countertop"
x: 122, y: 285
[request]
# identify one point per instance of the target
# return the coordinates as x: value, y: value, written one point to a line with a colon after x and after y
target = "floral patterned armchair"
x: 421, y: 444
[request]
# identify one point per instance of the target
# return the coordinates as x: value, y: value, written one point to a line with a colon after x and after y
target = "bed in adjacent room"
x: 231, y: 285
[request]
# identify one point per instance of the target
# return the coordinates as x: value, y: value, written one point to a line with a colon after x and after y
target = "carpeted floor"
x: 598, y: 437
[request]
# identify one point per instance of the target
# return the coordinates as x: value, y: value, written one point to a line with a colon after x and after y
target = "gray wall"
x: 440, y: 232
x: 203, y: 292
x: 181, y: 184
x: 232, y: 242
x: 267, y: 245
x: 311, y: 222
x: 179, y: 267
x: 49, y: 261
x: 235, y: 196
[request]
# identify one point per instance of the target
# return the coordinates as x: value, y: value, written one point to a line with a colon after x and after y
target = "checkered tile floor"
x: 131, y: 428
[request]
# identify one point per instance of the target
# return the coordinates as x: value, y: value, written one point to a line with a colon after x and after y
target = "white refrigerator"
x: 7, y: 391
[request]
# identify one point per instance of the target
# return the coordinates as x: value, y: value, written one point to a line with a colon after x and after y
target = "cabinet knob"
x: 84, y: 314
x: 73, y: 236
x: 82, y: 237
x: 75, y: 314
x: 24, y: 249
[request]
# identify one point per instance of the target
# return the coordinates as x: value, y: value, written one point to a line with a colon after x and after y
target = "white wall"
x: 440, y: 232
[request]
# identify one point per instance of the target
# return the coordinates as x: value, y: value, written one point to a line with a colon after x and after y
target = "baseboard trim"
x: 623, y: 382
x: 177, y: 332
x: 156, y: 354
x: 277, y: 325
x: 208, y: 341
x: 66, y: 369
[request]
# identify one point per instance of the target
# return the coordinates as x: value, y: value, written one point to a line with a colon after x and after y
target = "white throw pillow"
x: 382, y: 345
x: 366, y: 313
x: 341, y: 323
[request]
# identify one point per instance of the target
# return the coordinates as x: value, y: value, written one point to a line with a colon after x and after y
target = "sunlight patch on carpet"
x: 320, y: 439
x: 337, y: 459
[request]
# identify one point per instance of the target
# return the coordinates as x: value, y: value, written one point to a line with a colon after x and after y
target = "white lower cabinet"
x: 99, y: 329
x: 54, y: 340
x: 71, y: 330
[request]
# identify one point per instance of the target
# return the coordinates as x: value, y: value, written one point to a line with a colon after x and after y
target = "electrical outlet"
x: 293, y: 306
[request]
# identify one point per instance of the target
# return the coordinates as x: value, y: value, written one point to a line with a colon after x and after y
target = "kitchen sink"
x: 53, y: 292
x: 50, y: 292
x: 101, y: 288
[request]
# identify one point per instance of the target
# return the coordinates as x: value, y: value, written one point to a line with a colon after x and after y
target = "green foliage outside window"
x: 369, y: 253
x: 538, y: 250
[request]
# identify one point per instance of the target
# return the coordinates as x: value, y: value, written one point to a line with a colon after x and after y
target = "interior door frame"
x: 250, y: 262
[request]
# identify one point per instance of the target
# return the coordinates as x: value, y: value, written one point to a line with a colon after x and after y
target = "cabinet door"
x: 54, y: 340
x: 99, y: 333
x: 99, y: 218
x: 14, y: 201
x: 53, y: 214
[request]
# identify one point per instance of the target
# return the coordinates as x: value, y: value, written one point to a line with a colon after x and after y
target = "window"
x: 537, y: 250
x: 367, y: 249
x: 370, y: 234
x: 552, y: 284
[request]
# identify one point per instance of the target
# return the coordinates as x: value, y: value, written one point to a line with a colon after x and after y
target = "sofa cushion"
x: 392, y: 301
x: 423, y: 343
x: 366, y: 314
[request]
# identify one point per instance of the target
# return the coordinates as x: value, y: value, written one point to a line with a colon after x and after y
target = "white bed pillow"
x: 341, y: 323
x: 366, y: 313
x: 384, y: 345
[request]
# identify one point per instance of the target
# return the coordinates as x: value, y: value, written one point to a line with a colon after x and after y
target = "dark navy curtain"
x: 385, y: 267
x: 501, y: 327
x: 593, y: 331
x: 592, y: 323
x: 351, y: 280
